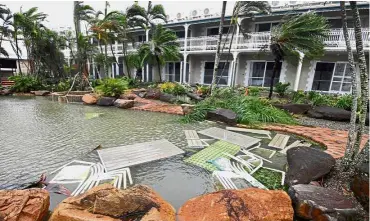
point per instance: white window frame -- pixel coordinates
(166, 73)
(330, 91)
(204, 69)
(264, 72)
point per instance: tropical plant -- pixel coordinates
(249, 110)
(135, 60)
(254, 91)
(161, 48)
(140, 17)
(299, 34)
(112, 87)
(25, 84)
(172, 88)
(203, 89)
(299, 97)
(5, 32)
(281, 88)
(345, 102)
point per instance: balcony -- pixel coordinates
(258, 40)
(255, 42)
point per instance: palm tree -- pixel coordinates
(352, 130)
(300, 34)
(217, 56)
(161, 48)
(140, 17)
(135, 60)
(363, 76)
(5, 16)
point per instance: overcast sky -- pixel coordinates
(60, 13)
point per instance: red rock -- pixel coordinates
(106, 203)
(124, 104)
(242, 205)
(90, 99)
(24, 205)
(128, 97)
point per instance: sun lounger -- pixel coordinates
(193, 139)
(279, 141)
(297, 143)
(261, 132)
(225, 178)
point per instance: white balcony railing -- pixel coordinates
(255, 41)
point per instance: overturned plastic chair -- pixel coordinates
(225, 178)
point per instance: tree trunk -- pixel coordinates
(124, 50)
(217, 57)
(352, 131)
(17, 51)
(159, 69)
(274, 70)
(363, 74)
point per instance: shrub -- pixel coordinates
(172, 88)
(25, 84)
(112, 87)
(281, 88)
(254, 91)
(345, 102)
(299, 97)
(203, 89)
(249, 110)
(63, 85)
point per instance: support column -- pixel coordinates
(299, 70)
(147, 65)
(112, 72)
(117, 65)
(236, 41)
(234, 68)
(183, 76)
(93, 64)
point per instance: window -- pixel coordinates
(214, 31)
(180, 34)
(333, 77)
(337, 23)
(141, 38)
(223, 69)
(172, 71)
(262, 72)
(264, 27)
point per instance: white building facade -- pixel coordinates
(247, 64)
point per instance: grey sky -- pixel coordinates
(61, 12)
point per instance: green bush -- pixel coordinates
(172, 88)
(299, 97)
(249, 109)
(281, 88)
(63, 85)
(254, 91)
(112, 87)
(25, 84)
(344, 101)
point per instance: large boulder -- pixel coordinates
(318, 203)
(128, 96)
(294, 108)
(167, 98)
(124, 104)
(153, 93)
(24, 205)
(242, 205)
(42, 93)
(5, 91)
(329, 113)
(306, 164)
(360, 182)
(106, 203)
(106, 101)
(223, 115)
(90, 99)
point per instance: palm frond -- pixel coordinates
(4, 52)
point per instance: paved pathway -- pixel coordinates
(157, 106)
(334, 140)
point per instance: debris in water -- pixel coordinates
(89, 116)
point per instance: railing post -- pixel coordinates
(147, 65)
(183, 77)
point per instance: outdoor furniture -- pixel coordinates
(124, 156)
(279, 141)
(212, 152)
(241, 140)
(75, 171)
(225, 178)
(262, 132)
(193, 139)
(297, 143)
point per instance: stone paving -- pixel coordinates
(334, 140)
(157, 106)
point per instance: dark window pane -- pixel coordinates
(212, 31)
(269, 70)
(324, 71)
(177, 71)
(223, 68)
(180, 34)
(258, 69)
(187, 73)
(263, 27)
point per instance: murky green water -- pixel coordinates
(38, 135)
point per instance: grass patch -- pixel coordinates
(269, 178)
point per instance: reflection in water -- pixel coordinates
(38, 135)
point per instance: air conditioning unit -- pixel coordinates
(207, 13)
(195, 14)
(180, 16)
(292, 2)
